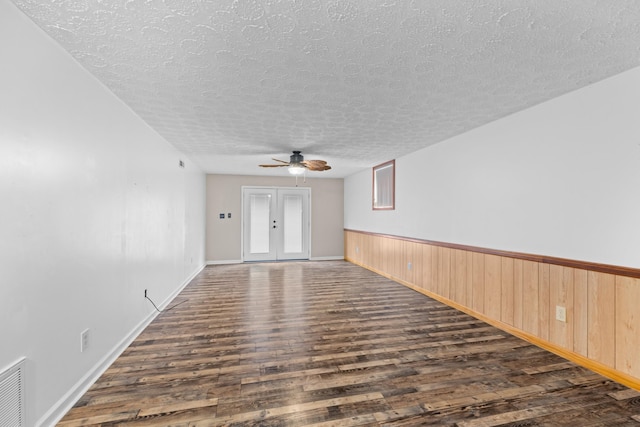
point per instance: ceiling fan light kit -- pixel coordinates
(296, 169)
(297, 165)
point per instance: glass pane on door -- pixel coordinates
(259, 225)
(292, 223)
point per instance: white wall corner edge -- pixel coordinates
(59, 410)
(184, 284)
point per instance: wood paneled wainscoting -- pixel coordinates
(522, 294)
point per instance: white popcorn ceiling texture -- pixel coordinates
(232, 83)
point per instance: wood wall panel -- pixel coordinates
(469, 280)
(395, 256)
(544, 315)
(434, 285)
(419, 273)
(468, 292)
(530, 299)
(389, 256)
(520, 294)
(386, 256)
(348, 245)
(456, 284)
(581, 313)
(444, 271)
(477, 289)
(415, 253)
(628, 325)
(459, 276)
(507, 294)
(363, 250)
(427, 267)
(367, 250)
(493, 286)
(376, 250)
(407, 256)
(462, 277)
(397, 249)
(401, 259)
(561, 294)
(601, 317)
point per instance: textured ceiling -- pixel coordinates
(232, 83)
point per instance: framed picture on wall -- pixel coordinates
(384, 191)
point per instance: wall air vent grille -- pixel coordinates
(12, 396)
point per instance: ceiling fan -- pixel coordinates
(298, 165)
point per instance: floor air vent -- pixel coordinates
(12, 396)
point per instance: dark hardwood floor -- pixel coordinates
(328, 343)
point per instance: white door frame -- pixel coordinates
(276, 227)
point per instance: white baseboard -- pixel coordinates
(327, 258)
(55, 414)
(315, 258)
(227, 261)
(57, 411)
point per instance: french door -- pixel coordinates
(275, 223)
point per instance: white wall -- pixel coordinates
(560, 179)
(94, 209)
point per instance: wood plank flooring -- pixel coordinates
(328, 343)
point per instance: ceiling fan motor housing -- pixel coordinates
(296, 157)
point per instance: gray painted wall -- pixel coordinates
(224, 195)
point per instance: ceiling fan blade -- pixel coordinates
(316, 165)
(272, 166)
(278, 160)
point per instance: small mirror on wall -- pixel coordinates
(384, 186)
